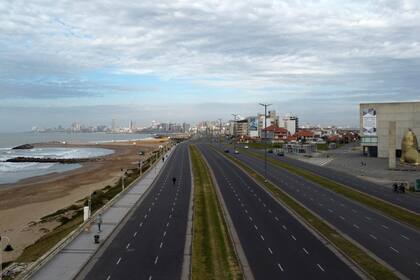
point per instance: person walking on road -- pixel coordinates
(99, 221)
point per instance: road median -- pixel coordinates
(213, 254)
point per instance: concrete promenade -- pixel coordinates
(68, 262)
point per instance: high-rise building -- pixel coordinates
(114, 125)
(290, 122)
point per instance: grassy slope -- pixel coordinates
(213, 256)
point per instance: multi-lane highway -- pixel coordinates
(407, 201)
(397, 244)
(276, 245)
(151, 244)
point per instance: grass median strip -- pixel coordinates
(213, 256)
(386, 208)
(371, 266)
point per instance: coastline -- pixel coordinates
(24, 203)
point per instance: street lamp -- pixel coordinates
(220, 133)
(122, 178)
(265, 140)
(234, 132)
(8, 248)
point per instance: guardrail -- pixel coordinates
(44, 259)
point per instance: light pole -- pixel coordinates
(122, 178)
(234, 132)
(8, 248)
(220, 133)
(265, 140)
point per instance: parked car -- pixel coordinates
(246, 147)
(270, 151)
(227, 151)
(280, 154)
(236, 152)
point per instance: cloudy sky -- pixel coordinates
(91, 61)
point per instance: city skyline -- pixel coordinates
(187, 61)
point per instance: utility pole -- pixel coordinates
(234, 132)
(220, 133)
(265, 139)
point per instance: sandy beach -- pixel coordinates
(25, 202)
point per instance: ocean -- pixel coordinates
(13, 172)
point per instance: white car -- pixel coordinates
(246, 147)
(236, 152)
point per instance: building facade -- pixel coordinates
(374, 125)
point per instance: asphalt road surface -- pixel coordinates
(395, 243)
(407, 201)
(276, 245)
(151, 244)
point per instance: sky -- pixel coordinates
(187, 61)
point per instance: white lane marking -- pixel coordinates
(128, 245)
(284, 227)
(145, 216)
(305, 251)
(356, 226)
(150, 209)
(255, 226)
(384, 226)
(320, 204)
(368, 218)
(405, 237)
(276, 218)
(342, 205)
(170, 216)
(156, 259)
(393, 249)
(320, 267)
(167, 224)
(164, 233)
(140, 224)
(150, 277)
(269, 211)
(418, 263)
(373, 236)
(161, 244)
(134, 235)
(281, 268)
(109, 277)
(118, 261)
(250, 218)
(354, 211)
(262, 237)
(294, 238)
(269, 249)
(341, 217)
(329, 210)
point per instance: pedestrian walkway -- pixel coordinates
(316, 161)
(68, 262)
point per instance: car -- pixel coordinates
(270, 151)
(280, 154)
(246, 147)
(227, 151)
(236, 152)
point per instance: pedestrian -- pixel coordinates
(99, 221)
(163, 159)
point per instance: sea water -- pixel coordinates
(11, 172)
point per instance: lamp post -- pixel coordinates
(265, 139)
(8, 248)
(122, 178)
(220, 133)
(234, 132)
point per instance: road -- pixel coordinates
(407, 201)
(151, 244)
(395, 243)
(276, 245)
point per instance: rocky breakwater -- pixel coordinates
(52, 160)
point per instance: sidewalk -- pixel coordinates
(70, 260)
